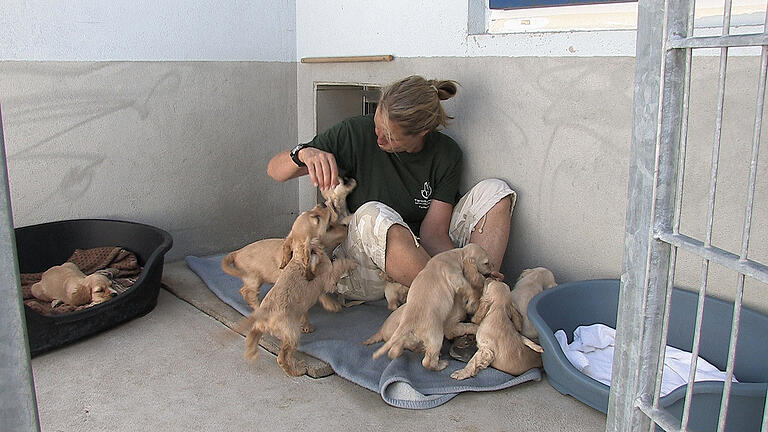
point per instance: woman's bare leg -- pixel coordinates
(492, 231)
(404, 258)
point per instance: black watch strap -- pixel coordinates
(295, 155)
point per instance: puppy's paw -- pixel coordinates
(497, 276)
(460, 374)
(442, 364)
(298, 368)
(252, 356)
(330, 304)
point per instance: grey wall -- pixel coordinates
(558, 130)
(179, 145)
(184, 146)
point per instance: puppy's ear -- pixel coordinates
(307, 261)
(525, 273)
(287, 252)
(471, 274)
(314, 259)
(482, 310)
(515, 317)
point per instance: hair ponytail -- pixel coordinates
(445, 89)
(414, 103)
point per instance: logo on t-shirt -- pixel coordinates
(426, 193)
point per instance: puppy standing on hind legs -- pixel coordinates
(284, 311)
(262, 261)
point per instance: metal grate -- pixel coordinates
(662, 103)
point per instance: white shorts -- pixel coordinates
(366, 240)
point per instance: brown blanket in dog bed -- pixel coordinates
(116, 263)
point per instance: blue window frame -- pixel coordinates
(524, 4)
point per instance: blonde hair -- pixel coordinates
(414, 103)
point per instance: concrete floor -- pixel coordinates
(178, 369)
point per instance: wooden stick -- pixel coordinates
(349, 59)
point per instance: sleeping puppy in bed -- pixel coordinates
(499, 342)
(431, 300)
(284, 311)
(531, 282)
(67, 284)
(262, 261)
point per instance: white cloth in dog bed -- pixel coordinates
(591, 352)
(337, 340)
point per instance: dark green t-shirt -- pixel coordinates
(407, 182)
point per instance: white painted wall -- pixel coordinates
(155, 30)
(432, 28)
(440, 28)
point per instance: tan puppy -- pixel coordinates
(319, 223)
(465, 302)
(67, 284)
(284, 311)
(336, 199)
(531, 282)
(395, 292)
(432, 298)
(499, 343)
(262, 261)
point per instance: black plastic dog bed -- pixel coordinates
(42, 246)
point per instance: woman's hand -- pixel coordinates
(323, 171)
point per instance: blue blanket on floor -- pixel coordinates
(337, 340)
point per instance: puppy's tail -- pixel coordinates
(384, 348)
(532, 345)
(377, 337)
(229, 267)
(394, 346)
(244, 324)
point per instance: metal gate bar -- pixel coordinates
(18, 405)
(685, 115)
(715, 254)
(647, 298)
(730, 41)
(653, 158)
(715, 166)
(735, 326)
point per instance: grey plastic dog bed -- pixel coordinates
(588, 302)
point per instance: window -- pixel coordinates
(530, 16)
(524, 4)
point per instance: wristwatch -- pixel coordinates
(295, 155)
